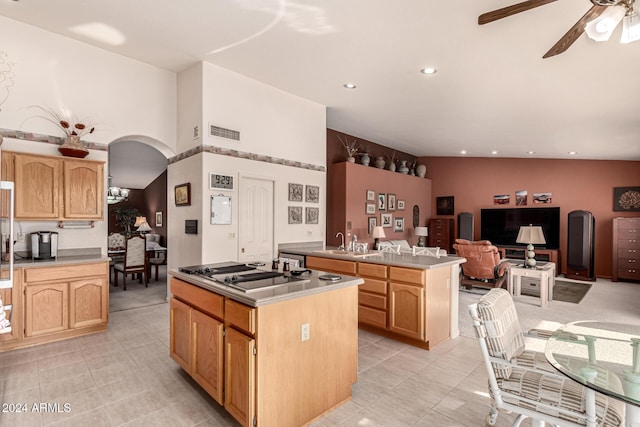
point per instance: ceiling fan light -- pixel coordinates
(601, 28)
(630, 28)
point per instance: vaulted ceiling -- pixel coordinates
(492, 90)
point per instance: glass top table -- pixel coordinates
(602, 356)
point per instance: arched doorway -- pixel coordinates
(139, 165)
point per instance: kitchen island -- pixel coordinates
(412, 298)
(279, 355)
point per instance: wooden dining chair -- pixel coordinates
(135, 261)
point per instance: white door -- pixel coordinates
(255, 233)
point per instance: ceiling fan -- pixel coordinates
(599, 21)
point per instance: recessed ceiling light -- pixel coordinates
(531, 152)
(428, 70)
(573, 153)
(494, 152)
(463, 151)
(349, 85)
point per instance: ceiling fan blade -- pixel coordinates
(574, 32)
(494, 15)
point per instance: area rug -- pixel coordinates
(563, 290)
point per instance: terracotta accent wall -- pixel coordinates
(347, 199)
(575, 185)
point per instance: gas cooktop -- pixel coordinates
(244, 277)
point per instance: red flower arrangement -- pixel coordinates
(68, 127)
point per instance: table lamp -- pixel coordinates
(378, 233)
(144, 227)
(421, 232)
(140, 220)
(531, 235)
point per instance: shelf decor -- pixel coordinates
(72, 146)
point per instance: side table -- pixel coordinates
(545, 272)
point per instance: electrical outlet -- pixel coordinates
(20, 237)
(309, 233)
(304, 332)
(232, 236)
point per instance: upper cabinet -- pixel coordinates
(55, 188)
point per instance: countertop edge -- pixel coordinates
(77, 259)
(261, 298)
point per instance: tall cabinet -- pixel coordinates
(441, 233)
(626, 249)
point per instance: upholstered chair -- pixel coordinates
(522, 381)
(135, 261)
(483, 267)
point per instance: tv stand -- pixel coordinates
(519, 252)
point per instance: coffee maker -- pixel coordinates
(44, 244)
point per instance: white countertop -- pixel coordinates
(310, 285)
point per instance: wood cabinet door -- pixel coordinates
(89, 302)
(46, 308)
(83, 189)
(207, 364)
(406, 310)
(239, 397)
(6, 174)
(180, 348)
(37, 186)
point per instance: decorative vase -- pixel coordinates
(380, 162)
(392, 165)
(351, 159)
(403, 167)
(365, 159)
(421, 170)
(73, 147)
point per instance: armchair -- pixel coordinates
(521, 380)
(483, 267)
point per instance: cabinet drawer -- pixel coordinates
(370, 300)
(629, 273)
(628, 224)
(410, 275)
(203, 300)
(372, 270)
(241, 316)
(373, 285)
(65, 272)
(629, 243)
(372, 316)
(334, 265)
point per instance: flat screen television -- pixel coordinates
(501, 226)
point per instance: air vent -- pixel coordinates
(224, 133)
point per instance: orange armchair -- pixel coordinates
(483, 267)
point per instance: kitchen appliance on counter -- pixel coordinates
(44, 244)
(244, 277)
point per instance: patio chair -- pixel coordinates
(521, 380)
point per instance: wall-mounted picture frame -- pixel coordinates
(158, 219)
(398, 224)
(385, 220)
(521, 198)
(370, 208)
(382, 201)
(295, 214)
(371, 195)
(373, 221)
(444, 205)
(391, 202)
(626, 199)
(400, 205)
(295, 192)
(311, 215)
(541, 197)
(501, 199)
(312, 194)
(182, 194)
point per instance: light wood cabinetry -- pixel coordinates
(406, 302)
(626, 249)
(13, 297)
(55, 188)
(332, 265)
(372, 295)
(88, 302)
(46, 308)
(261, 365)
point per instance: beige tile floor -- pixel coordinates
(124, 376)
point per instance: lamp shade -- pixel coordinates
(140, 220)
(531, 234)
(601, 28)
(630, 27)
(378, 232)
(144, 227)
(422, 231)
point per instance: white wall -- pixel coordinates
(119, 95)
(190, 107)
(67, 238)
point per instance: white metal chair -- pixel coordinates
(382, 247)
(135, 261)
(428, 251)
(522, 381)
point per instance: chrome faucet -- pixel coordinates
(341, 247)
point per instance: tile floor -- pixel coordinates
(124, 376)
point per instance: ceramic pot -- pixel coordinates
(73, 147)
(365, 159)
(421, 170)
(403, 167)
(351, 159)
(380, 162)
(392, 166)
